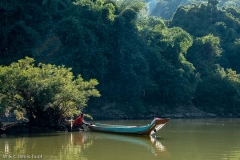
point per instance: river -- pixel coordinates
(180, 139)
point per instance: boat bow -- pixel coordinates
(159, 123)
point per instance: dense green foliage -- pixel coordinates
(166, 8)
(216, 35)
(45, 93)
(138, 60)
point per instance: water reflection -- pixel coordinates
(77, 139)
(158, 144)
(51, 146)
(150, 143)
(6, 147)
(74, 148)
(180, 139)
(77, 145)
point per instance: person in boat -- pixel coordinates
(79, 122)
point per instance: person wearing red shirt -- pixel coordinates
(79, 122)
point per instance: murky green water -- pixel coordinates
(210, 139)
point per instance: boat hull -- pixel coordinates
(150, 129)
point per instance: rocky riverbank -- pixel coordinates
(110, 114)
(179, 112)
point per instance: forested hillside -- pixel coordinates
(215, 53)
(166, 8)
(140, 61)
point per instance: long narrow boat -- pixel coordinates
(150, 129)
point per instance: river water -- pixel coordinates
(180, 139)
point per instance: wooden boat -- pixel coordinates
(150, 129)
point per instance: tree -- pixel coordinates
(46, 93)
(173, 80)
(219, 92)
(213, 3)
(204, 53)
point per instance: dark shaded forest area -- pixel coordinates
(143, 63)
